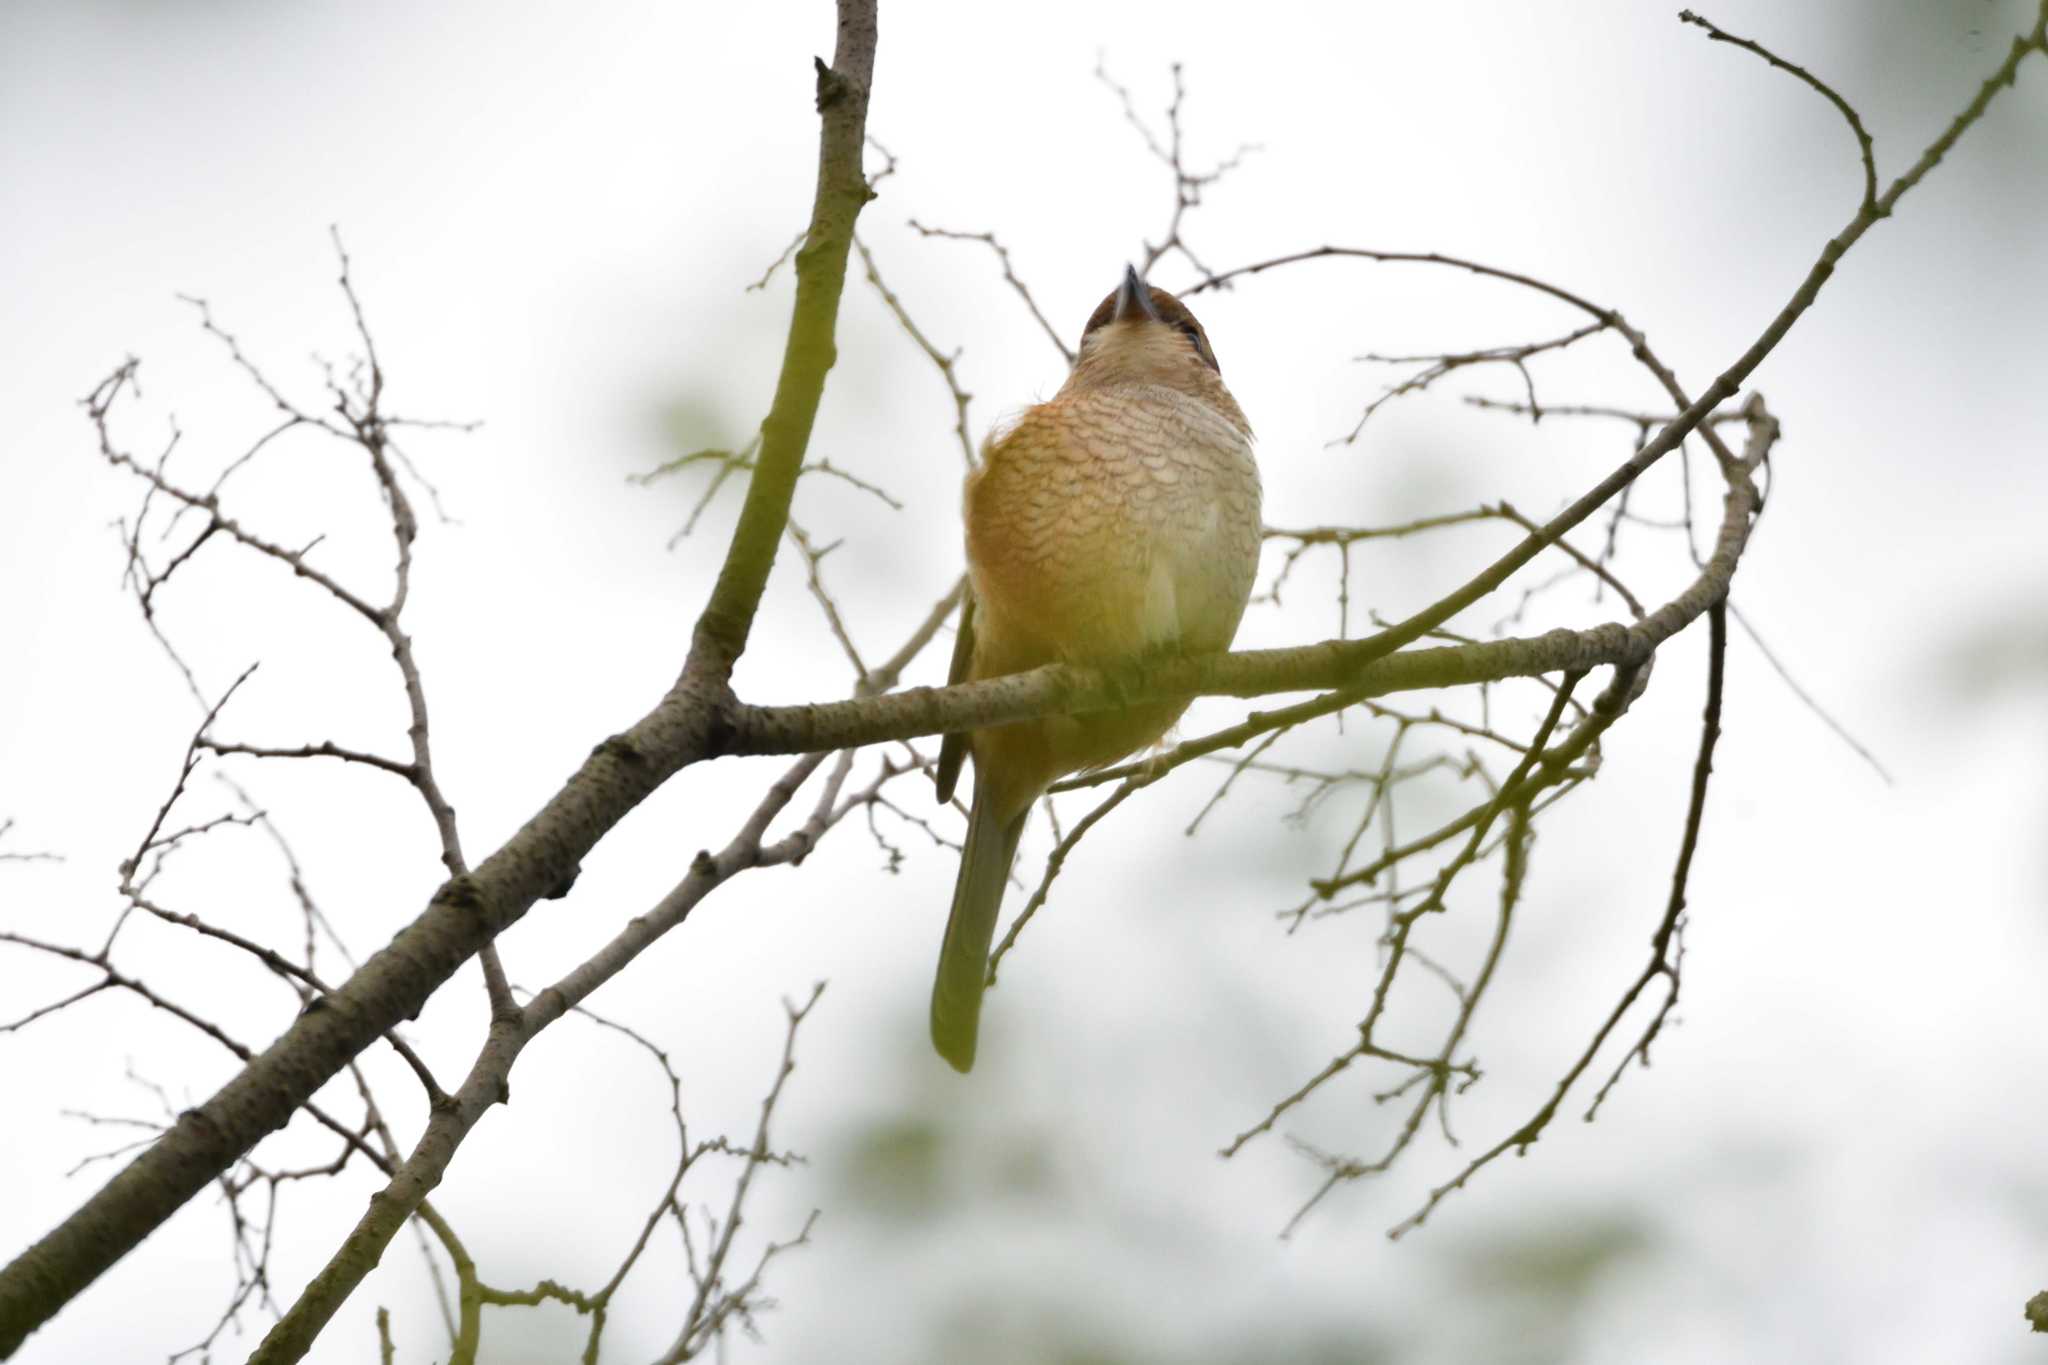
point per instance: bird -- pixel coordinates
(1115, 522)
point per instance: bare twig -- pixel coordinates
(1022, 291)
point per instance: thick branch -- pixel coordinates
(722, 629)
(487, 1085)
(467, 912)
(1061, 688)
(698, 718)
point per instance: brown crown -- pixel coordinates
(1172, 312)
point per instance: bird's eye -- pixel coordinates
(1194, 334)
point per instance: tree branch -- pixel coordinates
(470, 910)
(808, 355)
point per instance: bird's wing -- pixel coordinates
(953, 749)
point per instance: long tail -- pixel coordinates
(963, 957)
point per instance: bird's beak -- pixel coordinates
(1133, 299)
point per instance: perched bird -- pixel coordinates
(1116, 521)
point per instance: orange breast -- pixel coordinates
(1106, 524)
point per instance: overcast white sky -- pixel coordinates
(552, 212)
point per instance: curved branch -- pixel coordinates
(698, 717)
(469, 911)
(1864, 146)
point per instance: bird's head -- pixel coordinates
(1140, 334)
